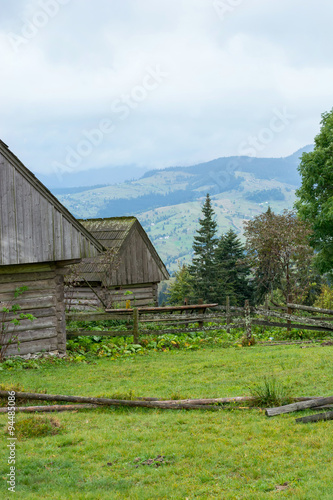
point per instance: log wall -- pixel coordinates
(44, 299)
(84, 299)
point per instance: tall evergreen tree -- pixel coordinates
(232, 269)
(203, 268)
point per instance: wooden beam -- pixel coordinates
(315, 418)
(302, 405)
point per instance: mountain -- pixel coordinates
(168, 202)
(73, 181)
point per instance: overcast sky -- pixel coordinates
(91, 83)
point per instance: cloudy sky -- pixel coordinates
(93, 83)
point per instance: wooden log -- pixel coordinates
(260, 322)
(103, 333)
(49, 408)
(291, 317)
(237, 399)
(310, 309)
(24, 278)
(140, 402)
(98, 316)
(315, 418)
(48, 344)
(164, 309)
(185, 319)
(302, 405)
(173, 405)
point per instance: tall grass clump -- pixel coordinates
(270, 392)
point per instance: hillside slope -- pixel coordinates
(168, 202)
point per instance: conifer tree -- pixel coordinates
(232, 269)
(203, 268)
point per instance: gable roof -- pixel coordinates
(34, 225)
(122, 235)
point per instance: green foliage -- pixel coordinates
(315, 196)
(182, 287)
(233, 271)
(203, 267)
(270, 392)
(325, 299)
(37, 426)
(279, 254)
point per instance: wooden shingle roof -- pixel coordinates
(34, 226)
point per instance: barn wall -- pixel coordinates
(84, 299)
(34, 226)
(136, 263)
(44, 299)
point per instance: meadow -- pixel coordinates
(230, 454)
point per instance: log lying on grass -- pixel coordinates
(50, 408)
(315, 418)
(110, 402)
(301, 405)
(202, 404)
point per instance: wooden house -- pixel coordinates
(38, 238)
(130, 269)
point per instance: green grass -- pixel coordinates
(235, 454)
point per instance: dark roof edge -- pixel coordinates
(12, 158)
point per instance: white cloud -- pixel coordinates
(225, 78)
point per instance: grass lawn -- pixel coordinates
(228, 454)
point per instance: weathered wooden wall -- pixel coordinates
(84, 299)
(34, 226)
(44, 299)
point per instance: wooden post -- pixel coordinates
(200, 323)
(228, 313)
(135, 325)
(247, 314)
(186, 301)
(289, 311)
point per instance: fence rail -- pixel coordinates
(194, 318)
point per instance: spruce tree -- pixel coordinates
(203, 268)
(233, 270)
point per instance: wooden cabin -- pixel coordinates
(38, 238)
(130, 269)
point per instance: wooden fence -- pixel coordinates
(204, 317)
